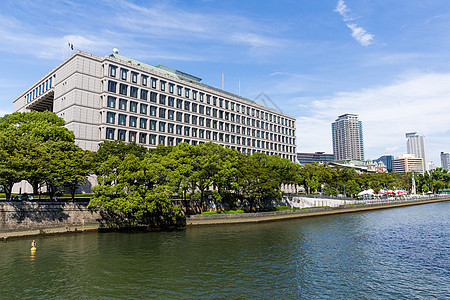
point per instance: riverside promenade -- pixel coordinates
(198, 220)
(77, 219)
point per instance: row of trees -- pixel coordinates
(36, 147)
(137, 185)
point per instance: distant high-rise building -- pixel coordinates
(387, 160)
(309, 158)
(445, 160)
(415, 144)
(348, 138)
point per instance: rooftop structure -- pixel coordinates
(309, 158)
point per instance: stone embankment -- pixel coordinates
(34, 218)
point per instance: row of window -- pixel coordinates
(121, 119)
(122, 89)
(122, 104)
(39, 90)
(141, 137)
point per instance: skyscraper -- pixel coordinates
(348, 138)
(445, 160)
(415, 144)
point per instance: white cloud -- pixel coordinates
(358, 33)
(361, 35)
(418, 103)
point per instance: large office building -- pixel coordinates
(118, 98)
(407, 163)
(309, 158)
(415, 145)
(387, 160)
(445, 160)
(348, 138)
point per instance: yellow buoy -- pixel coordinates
(33, 246)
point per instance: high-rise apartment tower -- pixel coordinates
(348, 138)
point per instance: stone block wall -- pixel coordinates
(15, 216)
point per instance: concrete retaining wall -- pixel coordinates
(18, 216)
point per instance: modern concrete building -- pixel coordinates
(387, 160)
(309, 158)
(407, 163)
(118, 98)
(445, 160)
(415, 144)
(348, 138)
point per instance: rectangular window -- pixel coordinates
(109, 133)
(201, 97)
(214, 101)
(162, 99)
(186, 93)
(144, 94)
(194, 95)
(111, 102)
(226, 104)
(194, 107)
(169, 141)
(142, 138)
(187, 104)
(162, 113)
(132, 136)
(179, 103)
(201, 133)
(121, 135)
(179, 128)
(170, 127)
(201, 109)
(163, 85)
(153, 96)
(208, 99)
(112, 71)
(133, 92)
(152, 125)
(201, 121)
(220, 102)
(179, 90)
(179, 116)
(162, 126)
(110, 117)
(162, 140)
(152, 111)
(143, 109)
(122, 104)
(170, 114)
(144, 79)
(143, 123)
(154, 82)
(186, 131)
(123, 89)
(123, 73)
(152, 139)
(112, 86)
(194, 132)
(171, 101)
(133, 121)
(194, 120)
(122, 120)
(134, 77)
(133, 106)
(171, 86)
(186, 118)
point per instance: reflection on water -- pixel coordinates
(388, 254)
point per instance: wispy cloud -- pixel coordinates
(358, 32)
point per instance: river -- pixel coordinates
(401, 253)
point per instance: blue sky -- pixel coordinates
(387, 61)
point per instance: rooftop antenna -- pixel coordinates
(116, 51)
(239, 87)
(222, 82)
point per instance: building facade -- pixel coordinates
(445, 160)
(415, 145)
(407, 163)
(348, 138)
(118, 98)
(309, 158)
(387, 160)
